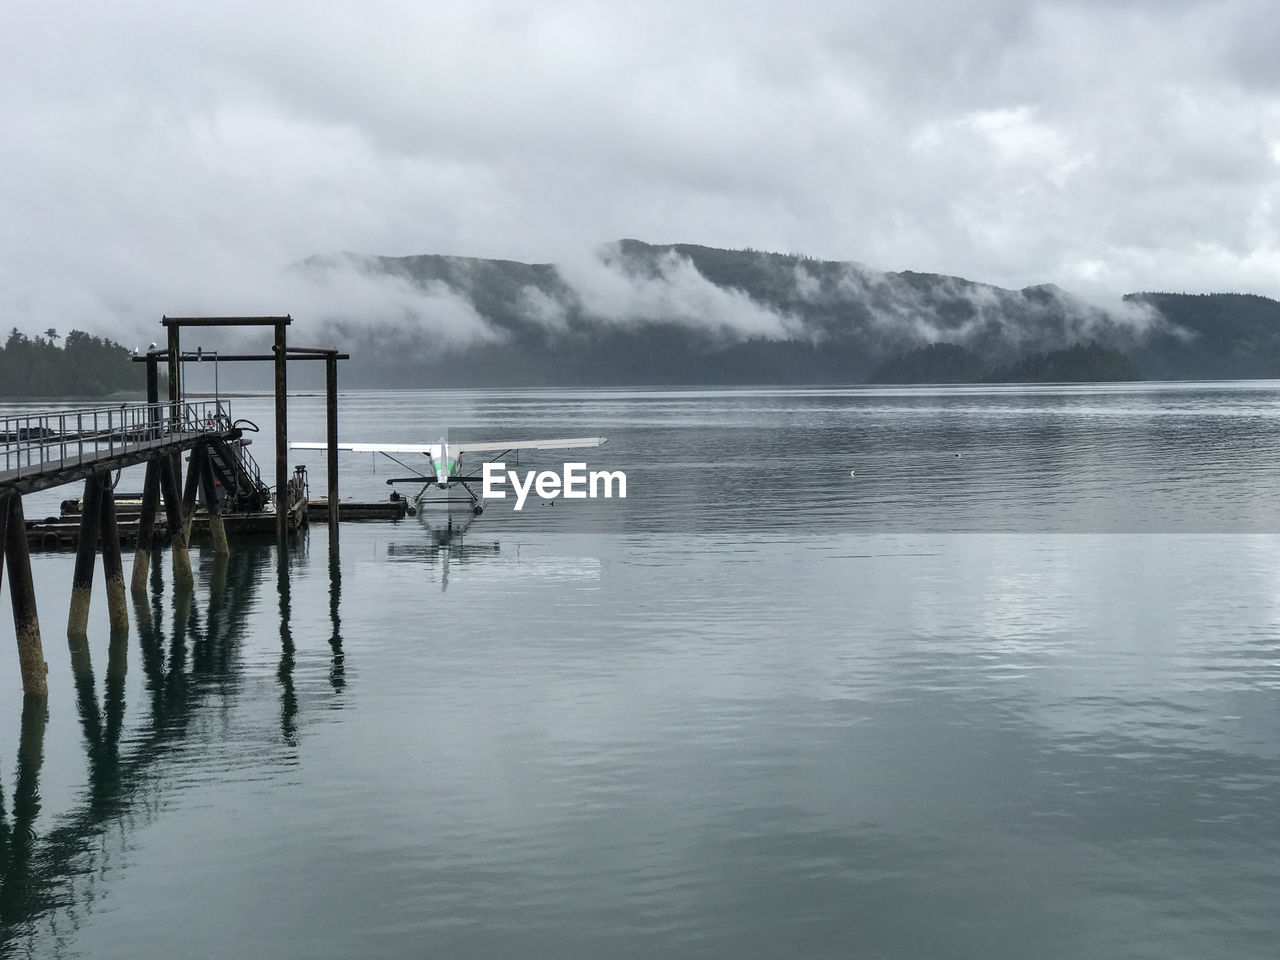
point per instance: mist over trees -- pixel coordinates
(1082, 363)
(935, 363)
(947, 363)
(640, 313)
(636, 314)
(1212, 336)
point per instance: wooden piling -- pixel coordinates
(331, 423)
(282, 437)
(146, 526)
(113, 564)
(189, 491)
(175, 389)
(209, 494)
(22, 592)
(175, 371)
(150, 486)
(153, 387)
(4, 527)
(182, 575)
(86, 552)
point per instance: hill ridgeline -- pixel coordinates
(635, 313)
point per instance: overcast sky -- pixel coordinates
(175, 157)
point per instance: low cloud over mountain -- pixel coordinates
(632, 312)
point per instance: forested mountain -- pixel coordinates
(638, 313)
(947, 363)
(1081, 363)
(633, 313)
(935, 363)
(1213, 336)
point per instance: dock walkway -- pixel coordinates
(39, 451)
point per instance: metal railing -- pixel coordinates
(33, 443)
(243, 474)
(249, 467)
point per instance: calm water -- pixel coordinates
(1010, 690)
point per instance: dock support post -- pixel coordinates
(175, 388)
(331, 422)
(22, 591)
(175, 372)
(150, 486)
(182, 576)
(209, 494)
(189, 492)
(282, 438)
(4, 528)
(86, 552)
(153, 392)
(113, 564)
(146, 526)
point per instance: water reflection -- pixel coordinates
(445, 542)
(23, 887)
(284, 673)
(337, 666)
(188, 670)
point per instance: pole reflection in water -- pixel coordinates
(337, 668)
(113, 709)
(49, 873)
(21, 892)
(288, 697)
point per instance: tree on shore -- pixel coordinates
(84, 366)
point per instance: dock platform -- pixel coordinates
(63, 532)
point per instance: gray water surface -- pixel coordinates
(1016, 703)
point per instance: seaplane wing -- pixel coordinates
(503, 446)
(429, 449)
(434, 449)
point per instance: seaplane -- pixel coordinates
(443, 469)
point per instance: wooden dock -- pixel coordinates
(42, 450)
(63, 532)
(352, 511)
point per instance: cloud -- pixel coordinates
(357, 296)
(350, 296)
(902, 310)
(542, 308)
(162, 156)
(616, 290)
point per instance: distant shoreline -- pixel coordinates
(117, 398)
(91, 400)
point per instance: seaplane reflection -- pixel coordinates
(446, 542)
(52, 865)
(451, 543)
